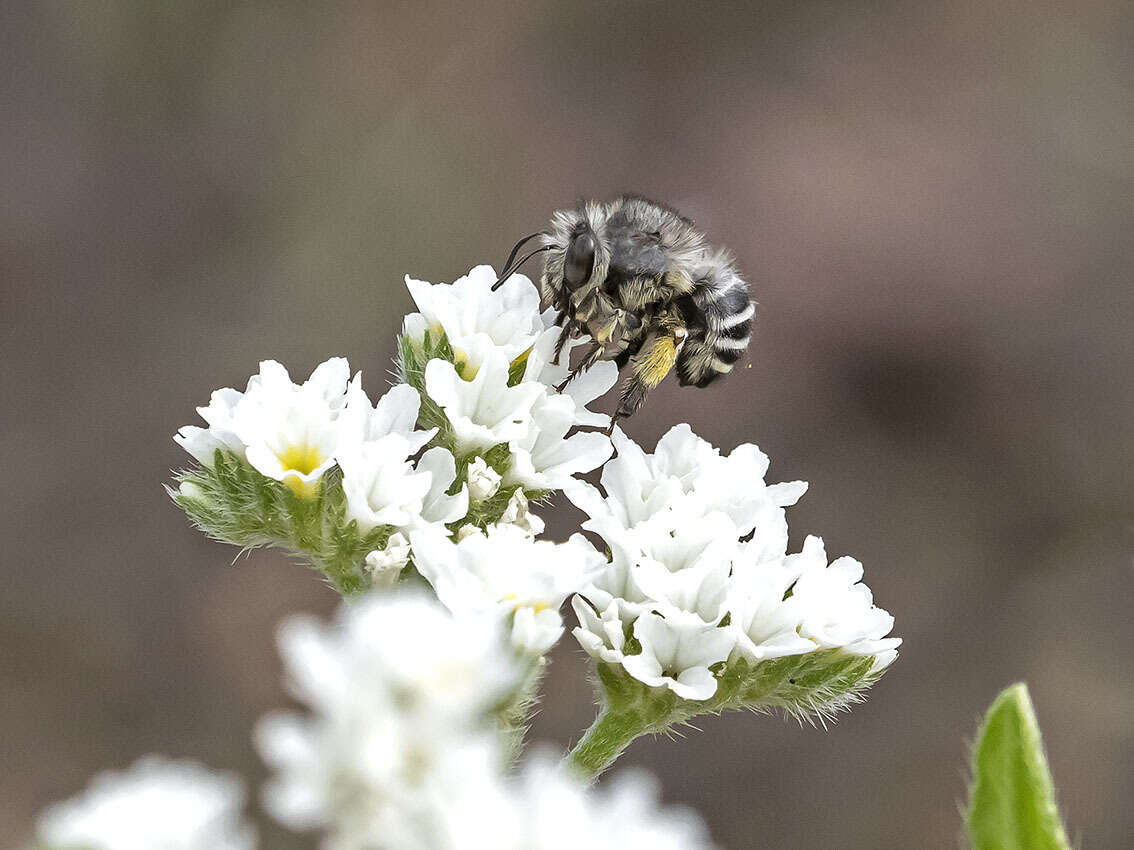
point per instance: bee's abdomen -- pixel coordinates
(718, 316)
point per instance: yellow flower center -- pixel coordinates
(297, 461)
(535, 606)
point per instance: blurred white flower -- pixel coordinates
(156, 804)
(699, 574)
(483, 480)
(545, 808)
(401, 695)
(506, 570)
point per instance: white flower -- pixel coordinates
(509, 317)
(835, 609)
(401, 695)
(544, 808)
(699, 573)
(677, 652)
(157, 804)
(546, 458)
(381, 485)
(518, 513)
(482, 409)
(688, 476)
(438, 507)
(483, 480)
(286, 431)
(203, 443)
(395, 413)
(385, 565)
(506, 570)
(294, 433)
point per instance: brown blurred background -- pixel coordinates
(934, 204)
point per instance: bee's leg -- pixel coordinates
(652, 363)
(593, 356)
(564, 335)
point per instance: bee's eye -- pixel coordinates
(580, 260)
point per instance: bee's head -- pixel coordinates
(577, 251)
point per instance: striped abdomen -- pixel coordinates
(718, 317)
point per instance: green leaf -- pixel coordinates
(1012, 799)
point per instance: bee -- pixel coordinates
(645, 285)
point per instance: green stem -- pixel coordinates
(514, 717)
(610, 734)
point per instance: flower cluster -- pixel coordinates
(417, 701)
(157, 804)
(402, 696)
(401, 749)
(475, 433)
(700, 595)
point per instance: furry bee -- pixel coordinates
(645, 285)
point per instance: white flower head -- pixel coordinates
(507, 571)
(699, 575)
(688, 476)
(156, 804)
(401, 694)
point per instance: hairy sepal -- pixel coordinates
(233, 503)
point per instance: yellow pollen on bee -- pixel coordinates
(298, 461)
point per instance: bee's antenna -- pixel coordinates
(516, 248)
(510, 269)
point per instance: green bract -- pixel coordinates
(814, 685)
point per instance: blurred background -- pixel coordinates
(934, 204)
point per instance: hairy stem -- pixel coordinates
(515, 716)
(610, 734)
